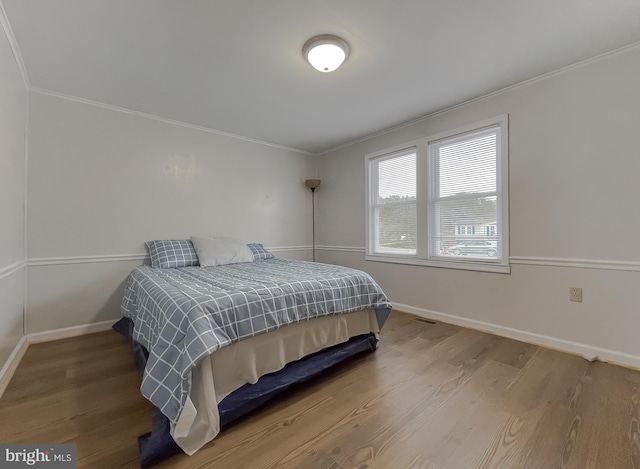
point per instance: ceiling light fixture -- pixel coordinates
(326, 52)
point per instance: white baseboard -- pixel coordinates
(586, 351)
(68, 332)
(10, 367)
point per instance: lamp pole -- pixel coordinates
(313, 185)
(313, 221)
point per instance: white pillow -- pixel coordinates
(219, 251)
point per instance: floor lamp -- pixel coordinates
(313, 185)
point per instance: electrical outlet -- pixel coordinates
(575, 294)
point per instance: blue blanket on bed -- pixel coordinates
(182, 315)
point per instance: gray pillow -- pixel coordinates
(215, 250)
(259, 252)
(172, 253)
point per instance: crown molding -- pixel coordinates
(506, 89)
(164, 120)
(13, 43)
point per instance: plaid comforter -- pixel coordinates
(182, 315)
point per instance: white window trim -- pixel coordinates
(421, 146)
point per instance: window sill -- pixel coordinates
(476, 265)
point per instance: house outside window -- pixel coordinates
(442, 200)
(465, 229)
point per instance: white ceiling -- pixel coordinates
(236, 65)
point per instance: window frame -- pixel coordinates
(425, 184)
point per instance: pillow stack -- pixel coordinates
(203, 251)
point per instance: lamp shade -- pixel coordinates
(312, 183)
(326, 52)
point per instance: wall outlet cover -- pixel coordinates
(575, 294)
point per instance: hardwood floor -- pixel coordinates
(432, 396)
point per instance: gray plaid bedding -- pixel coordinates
(182, 315)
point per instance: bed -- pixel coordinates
(218, 341)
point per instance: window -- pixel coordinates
(442, 200)
(394, 203)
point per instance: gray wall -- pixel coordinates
(574, 216)
(13, 109)
(102, 182)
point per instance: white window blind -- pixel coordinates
(393, 204)
(465, 196)
(442, 200)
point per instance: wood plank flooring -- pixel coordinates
(431, 397)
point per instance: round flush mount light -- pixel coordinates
(326, 52)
